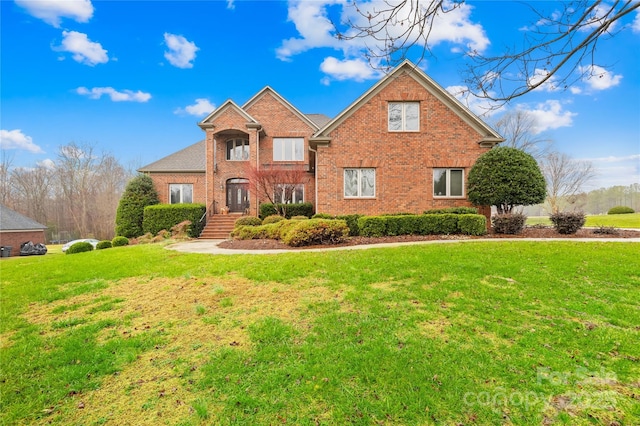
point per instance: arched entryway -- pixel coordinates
(237, 195)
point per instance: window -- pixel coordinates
(404, 116)
(288, 149)
(237, 150)
(180, 193)
(360, 183)
(289, 193)
(448, 183)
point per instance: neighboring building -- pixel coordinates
(406, 145)
(16, 229)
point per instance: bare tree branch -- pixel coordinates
(565, 179)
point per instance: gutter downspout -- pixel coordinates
(257, 162)
(315, 176)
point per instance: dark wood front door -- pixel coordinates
(237, 195)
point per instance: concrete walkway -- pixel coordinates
(211, 246)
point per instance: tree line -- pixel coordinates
(75, 196)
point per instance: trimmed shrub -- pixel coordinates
(297, 209)
(453, 210)
(446, 223)
(299, 218)
(620, 210)
(606, 230)
(323, 216)
(103, 245)
(568, 222)
(166, 216)
(138, 194)
(472, 224)
(508, 223)
(274, 218)
(119, 241)
(373, 226)
(80, 247)
(316, 231)
(248, 221)
(352, 223)
(249, 232)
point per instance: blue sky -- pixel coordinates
(133, 78)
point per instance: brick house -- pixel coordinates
(405, 145)
(16, 229)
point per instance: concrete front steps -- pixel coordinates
(219, 226)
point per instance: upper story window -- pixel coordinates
(288, 149)
(404, 116)
(448, 183)
(359, 183)
(180, 193)
(237, 150)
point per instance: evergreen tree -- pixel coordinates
(138, 194)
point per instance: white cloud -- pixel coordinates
(548, 86)
(347, 69)
(47, 163)
(115, 95)
(615, 170)
(51, 11)
(635, 26)
(200, 108)
(15, 139)
(181, 51)
(549, 115)
(598, 78)
(84, 50)
(231, 4)
(315, 30)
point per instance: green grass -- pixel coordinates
(614, 220)
(472, 333)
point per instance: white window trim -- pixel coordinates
(403, 116)
(448, 173)
(245, 142)
(281, 187)
(181, 185)
(292, 141)
(359, 186)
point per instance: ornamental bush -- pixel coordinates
(568, 222)
(453, 210)
(472, 224)
(296, 209)
(316, 231)
(373, 226)
(138, 194)
(80, 247)
(103, 245)
(620, 210)
(119, 241)
(508, 223)
(274, 218)
(248, 221)
(506, 177)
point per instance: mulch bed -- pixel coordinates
(529, 232)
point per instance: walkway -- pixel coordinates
(211, 246)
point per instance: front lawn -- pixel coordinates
(466, 333)
(610, 220)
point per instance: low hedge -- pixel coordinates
(166, 216)
(425, 224)
(297, 209)
(248, 221)
(620, 210)
(453, 210)
(508, 223)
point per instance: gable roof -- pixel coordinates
(267, 89)
(488, 135)
(189, 159)
(13, 221)
(228, 104)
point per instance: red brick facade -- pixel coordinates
(448, 136)
(14, 239)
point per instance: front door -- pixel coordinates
(237, 195)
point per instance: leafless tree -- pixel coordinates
(5, 178)
(33, 186)
(565, 179)
(559, 48)
(266, 182)
(518, 127)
